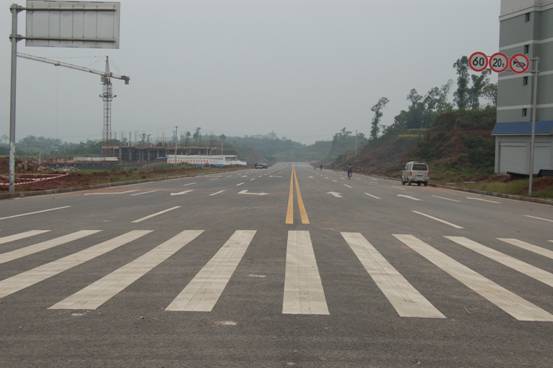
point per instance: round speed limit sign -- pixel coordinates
(499, 62)
(478, 61)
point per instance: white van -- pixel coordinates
(415, 172)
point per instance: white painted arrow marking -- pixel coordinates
(335, 194)
(245, 192)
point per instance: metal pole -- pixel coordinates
(14, 9)
(535, 71)
(176, 141)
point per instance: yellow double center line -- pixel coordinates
(290, 211)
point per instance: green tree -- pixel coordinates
(377, 110)
(476, 90)
(490, 93)
(461, 95)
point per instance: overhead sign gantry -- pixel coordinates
(77, 24)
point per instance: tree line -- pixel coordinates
(471, 90)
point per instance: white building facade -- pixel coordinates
(526, 26)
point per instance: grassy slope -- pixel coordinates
(459, 148)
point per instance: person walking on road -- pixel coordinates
(350, 171)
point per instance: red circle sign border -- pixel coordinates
(507, 64)
(479, 53)
(527, 63)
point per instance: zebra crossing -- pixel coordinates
(303, 291)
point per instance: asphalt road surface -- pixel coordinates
(283, 267)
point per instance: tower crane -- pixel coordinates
(106, 76)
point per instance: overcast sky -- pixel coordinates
(301, 68)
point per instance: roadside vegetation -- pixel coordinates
(453, 135)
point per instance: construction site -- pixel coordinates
(116, 159)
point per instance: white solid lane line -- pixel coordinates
(406, 300)
(303, 289)
(42, 246)
(506, 260)
(533, 217)
(189, 184)
(240, 184)
(182, 193)
(438, 219)
(34, 212)
(144, 193)
(33, 276)
(23, 235)
(408, 197)
(217, 193)
(203, 291)
(372, 196)
(446, 199)
(99, 292)
(529, 247)
(509, 302)
(483, 200)
(111, 193)
(154, 215)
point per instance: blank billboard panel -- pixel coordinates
(80, 24)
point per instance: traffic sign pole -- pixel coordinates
(14, 38)
(535, 71)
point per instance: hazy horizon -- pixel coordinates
(303, 69)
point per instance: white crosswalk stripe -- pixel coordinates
(506, 260)
(31, 277)
(406, 300)
(23, 235)
(107, 287)
(303, 293)
(509, 302)
(303, 289)
(203, 292)
(529, 247)
(42, 246)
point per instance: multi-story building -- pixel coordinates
(526, 26)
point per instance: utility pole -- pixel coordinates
(14, 38)
(535, 71)
(176, 140)
(356, 142)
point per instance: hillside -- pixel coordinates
(458, 146)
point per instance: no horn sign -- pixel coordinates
(499, 62)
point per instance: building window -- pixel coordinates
(527, 17)
(526, 49)
(524, 112)
(525, 81)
